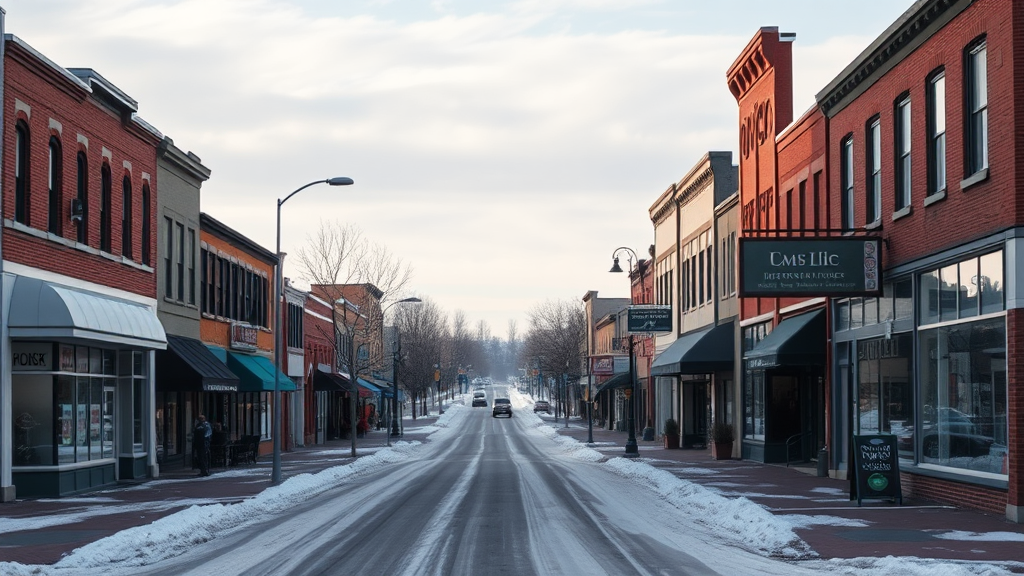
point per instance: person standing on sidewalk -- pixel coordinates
(201, 438)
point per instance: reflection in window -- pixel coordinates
(885, 389)
(991, 282)
(968, 288)
(948, 284)
(753, 427)
(963, 396)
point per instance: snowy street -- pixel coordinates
(483, 495)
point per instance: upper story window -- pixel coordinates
(903, 141)
(294, 326)
(846, 182)
(169, 258)
(21, 164)
(105, 207)
(962, 289)
(937, 133)
(727, 265)
(874, 164)
(225, 283)
(976, 90)
(82, 193)
(126, 217)
(55, 185)
(146, 248)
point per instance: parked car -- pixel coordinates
(479, 402)
(542, 406)
(502, 406)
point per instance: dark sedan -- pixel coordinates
(502, 406)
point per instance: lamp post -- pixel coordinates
(275, 477)
(632, 450)
(394, 370)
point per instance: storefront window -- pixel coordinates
(903, 299)
(885, 392)
(32, 411)
(929, 297)
(753, 427)
(963, 396)
(991, 281)
(66, 419)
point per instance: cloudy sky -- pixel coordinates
(503, 149)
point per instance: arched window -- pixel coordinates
(21, 164)
(55, 184)
(105, 185)
(82, 191)
(145, 224)
(126, 217)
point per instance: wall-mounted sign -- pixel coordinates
(810, 267)
(602, 365)
(31, 356)
(876, 468)
(244, 336)
(649, 319)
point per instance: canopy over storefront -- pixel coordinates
(702, 352)
(797, 341)
(187, 365)
(617, 381)
(256, 373)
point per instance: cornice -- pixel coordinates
(919, 23)
(694, 185)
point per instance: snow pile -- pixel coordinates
(905, 566)
(533, 423)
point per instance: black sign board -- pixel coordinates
(773, 267)
(649, 319)
(876, 468)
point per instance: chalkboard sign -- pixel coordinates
(876, 468)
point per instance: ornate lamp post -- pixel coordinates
(275, 477)
(632, 450)
(397, 359)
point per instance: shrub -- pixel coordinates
(671, 427)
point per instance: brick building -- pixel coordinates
(79, 286)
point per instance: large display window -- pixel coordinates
(885, 389)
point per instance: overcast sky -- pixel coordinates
(503, 149)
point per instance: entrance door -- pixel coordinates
(696, 407)
(108, 422)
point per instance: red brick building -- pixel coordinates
(79, 205)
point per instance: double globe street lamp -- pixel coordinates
(275, 477)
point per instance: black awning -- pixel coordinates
(617, 381)
(329, 382)
(797, 341)
(701, 352)
(187, 365)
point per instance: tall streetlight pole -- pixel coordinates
(396, 359)
(632, 450)
(275, 477)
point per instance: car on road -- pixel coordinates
(542, 406)
(480, 402)
(502, 406)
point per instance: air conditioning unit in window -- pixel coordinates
(77, 210)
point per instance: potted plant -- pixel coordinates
(671, 433)
(721, 440)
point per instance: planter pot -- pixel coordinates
(721, 450)
(671, 441)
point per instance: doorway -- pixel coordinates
(696, 411)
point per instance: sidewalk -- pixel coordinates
(840, 528)
(55, 527)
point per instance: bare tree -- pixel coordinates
(424, 335)
(556, 341)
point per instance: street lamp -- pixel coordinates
(632, 450)
(396, 359)
(275, 477)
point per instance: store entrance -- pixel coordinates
(696, 408)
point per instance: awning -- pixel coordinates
(797, 341)
(187, 365)
(324, 381)
(256, 373)
(703, 352)
(617, 381)
(44, 310)
(366, 388)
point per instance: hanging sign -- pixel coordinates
(774, 267)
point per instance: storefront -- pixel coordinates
(190, 380)
(81, 388)
(784, 396)
(937, 380)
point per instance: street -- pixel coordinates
(492, 498)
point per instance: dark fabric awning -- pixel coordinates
(797, 341)
(701, 352)
(187, 365)
(617, 381)
(324, 381)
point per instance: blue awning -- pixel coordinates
(255, 373)
(368, 389)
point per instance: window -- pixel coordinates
(180, 257)
(203, 266)
(169, 258)
(83, 197)
(728, 265)
(937, 133)
(903, 153)
(145, 224)
(223, 281)
(964, 289)
(976, 86)
(105, 192)
(294, 326)
(191, 258)
(21, 156)
(802, 191)
(55, 184)
(126, 217)
(885, 389)
(709, 270)
(874, 180)
(846, 183)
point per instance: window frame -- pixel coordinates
(22, 170)
(976, 111)
(873, 166)
(846, 183)
(55, 185)
(82, 191)
(936, 99)
(106, 184)
(902, 151)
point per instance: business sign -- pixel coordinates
(876, 468)
(649, 319)
(31, 357)
(602, 365)
(810, 267)
(244, 336)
